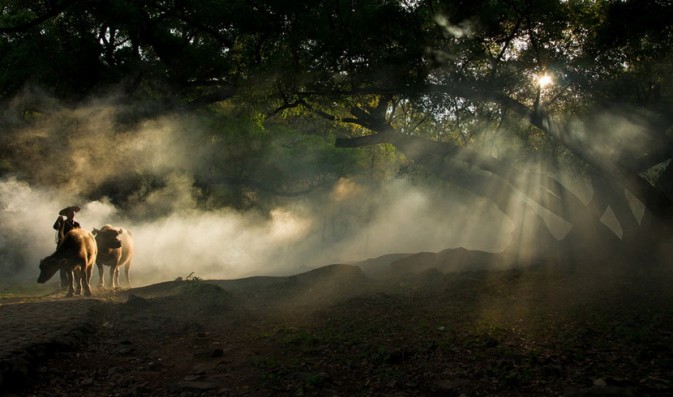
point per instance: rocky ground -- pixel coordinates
(347, 330)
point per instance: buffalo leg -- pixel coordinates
(101, 276)
(64, 278)
(71, 283)
(113, 270)
(78, 281)
(127, 268)
(86, 275)
(117, 284)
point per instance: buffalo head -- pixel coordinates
(107, 238)
(48, 267)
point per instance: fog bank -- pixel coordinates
(225, 244)
(148, 177)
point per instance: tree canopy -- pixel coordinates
(473, 91)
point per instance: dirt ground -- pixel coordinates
(346, 330)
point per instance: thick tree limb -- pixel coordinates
(657, 202)
(219, 95)
(544, 190)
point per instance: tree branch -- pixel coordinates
(52, 12)
(222, 94)
(654, 199)
(544, 190)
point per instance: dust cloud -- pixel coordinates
(65, 156)
(226, 244)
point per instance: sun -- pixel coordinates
(545, 80)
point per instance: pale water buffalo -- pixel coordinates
(75, 255)
(115, 249)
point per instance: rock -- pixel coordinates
(449, 387)
(137, 302)
(154, 366)
(395, 356)
(600, 382)
(87, 382)
(196, 386)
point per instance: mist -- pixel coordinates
(178, 234)
(68, 156)
(225, 244)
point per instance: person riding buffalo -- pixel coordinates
(66, 222)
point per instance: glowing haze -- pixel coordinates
(64, 154)
(227, 244)
(174, 237)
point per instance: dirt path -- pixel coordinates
(335, 332)
(32, 328)
(179, 338)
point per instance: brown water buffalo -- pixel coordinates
(115, 249)
(75, 255)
